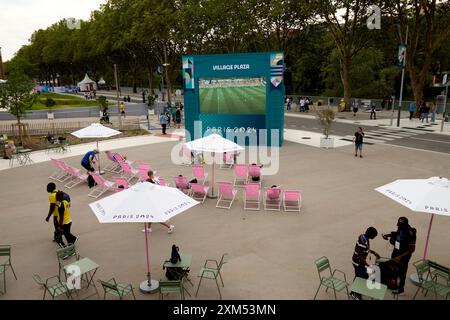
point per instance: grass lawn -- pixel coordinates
(233, 100)
(64, 101)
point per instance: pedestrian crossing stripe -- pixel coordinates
(383, 135)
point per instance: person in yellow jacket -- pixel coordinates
(53, 210)
(64, 218)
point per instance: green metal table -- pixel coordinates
(185, 263)
(83, 267)
(369, 288)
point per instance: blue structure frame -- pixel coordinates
(267, 64)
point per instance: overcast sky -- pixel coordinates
(20, 18)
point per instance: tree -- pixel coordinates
(427, 22)
(347, 22)
(17, 98)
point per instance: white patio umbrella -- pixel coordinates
(144, 202)
(421, 195)
(96, 131)
(213, 143)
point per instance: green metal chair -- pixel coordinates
(330, 282)
(171, 286)
(56, 289)
(116, 289)
(438, 270)
(5, 251)
(428, 282)
(66, 256)
(212, 272)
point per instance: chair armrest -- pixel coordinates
(211, 260)
(341, 272)
(54, 277)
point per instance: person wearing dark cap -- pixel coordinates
(359, 259)
(404, 242)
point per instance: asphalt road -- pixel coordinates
(405, 136)
(135, 109)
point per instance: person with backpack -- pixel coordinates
(64, 218)
(53, 210)
(175, 273)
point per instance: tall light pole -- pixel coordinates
(165, 65)
(403, 66)
(445, 101)
(117, 95)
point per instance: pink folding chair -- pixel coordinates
(199, 173)
(113, 166)
(273, 199)
(76, 177)
(240, 175)
(292, 200)
(227, 160)
(143, 171)
(182, 183)
(252, 196)
(199, 192)
(254, 171)
(227, 194)
(163, 182)
(127, 171)
(60, 172)
(101, 187)
(121, 184)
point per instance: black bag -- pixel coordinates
(390, 271)
(174, 273)
(90, 181)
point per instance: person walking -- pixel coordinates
(53, 210)
(171, 227)
(358, 141)
(404, 242)
(433, 111)
(360, 254)
(178, 118)
(122, 109)
(163, 122)
(426, 111)
(64, 218)
(373, 112)
(411, 110)
(355, 107)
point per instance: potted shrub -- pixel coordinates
(326, 118)
(50, 103)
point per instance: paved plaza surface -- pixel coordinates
(271, 253)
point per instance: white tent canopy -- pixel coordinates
(87, 84)
(101, 81)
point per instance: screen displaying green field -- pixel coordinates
(233, 95)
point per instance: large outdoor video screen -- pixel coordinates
(233, 95)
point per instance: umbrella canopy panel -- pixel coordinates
(421, 195)
(213, 143)
(142, 203)
(95, 130)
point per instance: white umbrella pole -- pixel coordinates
(428, 237)
(149, 285)
(99, 171)
(212, 195)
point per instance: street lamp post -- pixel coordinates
(403, 66)
(445, 104)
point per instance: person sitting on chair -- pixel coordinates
(51, 138)
(255, 178)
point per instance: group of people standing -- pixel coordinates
(424, 111)
(404, 242)
(170, 113)
(302, 102)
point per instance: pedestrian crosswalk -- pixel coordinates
(379, 134)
